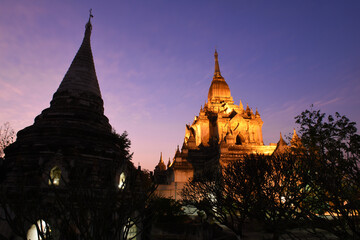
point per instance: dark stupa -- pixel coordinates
(72, 140)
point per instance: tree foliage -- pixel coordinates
(333, 137)
(7, 136)
(82, 210)
(332, 164)
(208, 193)
(257, 187)
(314, 184)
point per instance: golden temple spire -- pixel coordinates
(161, 165)
(177, 154)
(219, 91)
(169, 163)
(281, 141)
(281, 146)
(295, 140)
(257, 113)
(241, 106)
(295, 134)
(161, 158)
(217, 73)
(248, 109)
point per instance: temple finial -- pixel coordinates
(90, 14)
(169, 163)
(248, 109)
(88, 25)
(217, 67)
(295, 140)
(81, 75)
(161, 158)
(241, 106)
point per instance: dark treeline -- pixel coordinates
(313, 184)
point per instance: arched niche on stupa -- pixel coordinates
(55, 176)
(55, 173)
(41, 231)
(122, 180)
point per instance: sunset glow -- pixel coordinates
(154, 62)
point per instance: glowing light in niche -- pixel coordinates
(33, 234)
(122, 179)
(55, 176)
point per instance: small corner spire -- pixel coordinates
(295, 136)
(217, 67)
(280, 146)
(169, 163)
(241, 106)
(161, 158)
(248, 109)
(295, 140)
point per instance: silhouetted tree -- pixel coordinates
(331, 171)
(7, 136)
(277, 200)
(208, 192)
(265, 188)
(314, 184)
(79, 210)
(269, 190)
(161, 210)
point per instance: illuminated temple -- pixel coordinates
(221, 133)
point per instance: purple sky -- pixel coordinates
(154, 61)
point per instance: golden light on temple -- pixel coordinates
(220, 124)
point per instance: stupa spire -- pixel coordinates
(295, 140)
(161, 165)
(217, 73)
(161, 158)
(281, 141)
(81, 75)
(169, 163)
(248, 109)
(257, 113)
(241, 106)
(219, 91)
(295, 134)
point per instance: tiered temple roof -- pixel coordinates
(73, 134)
